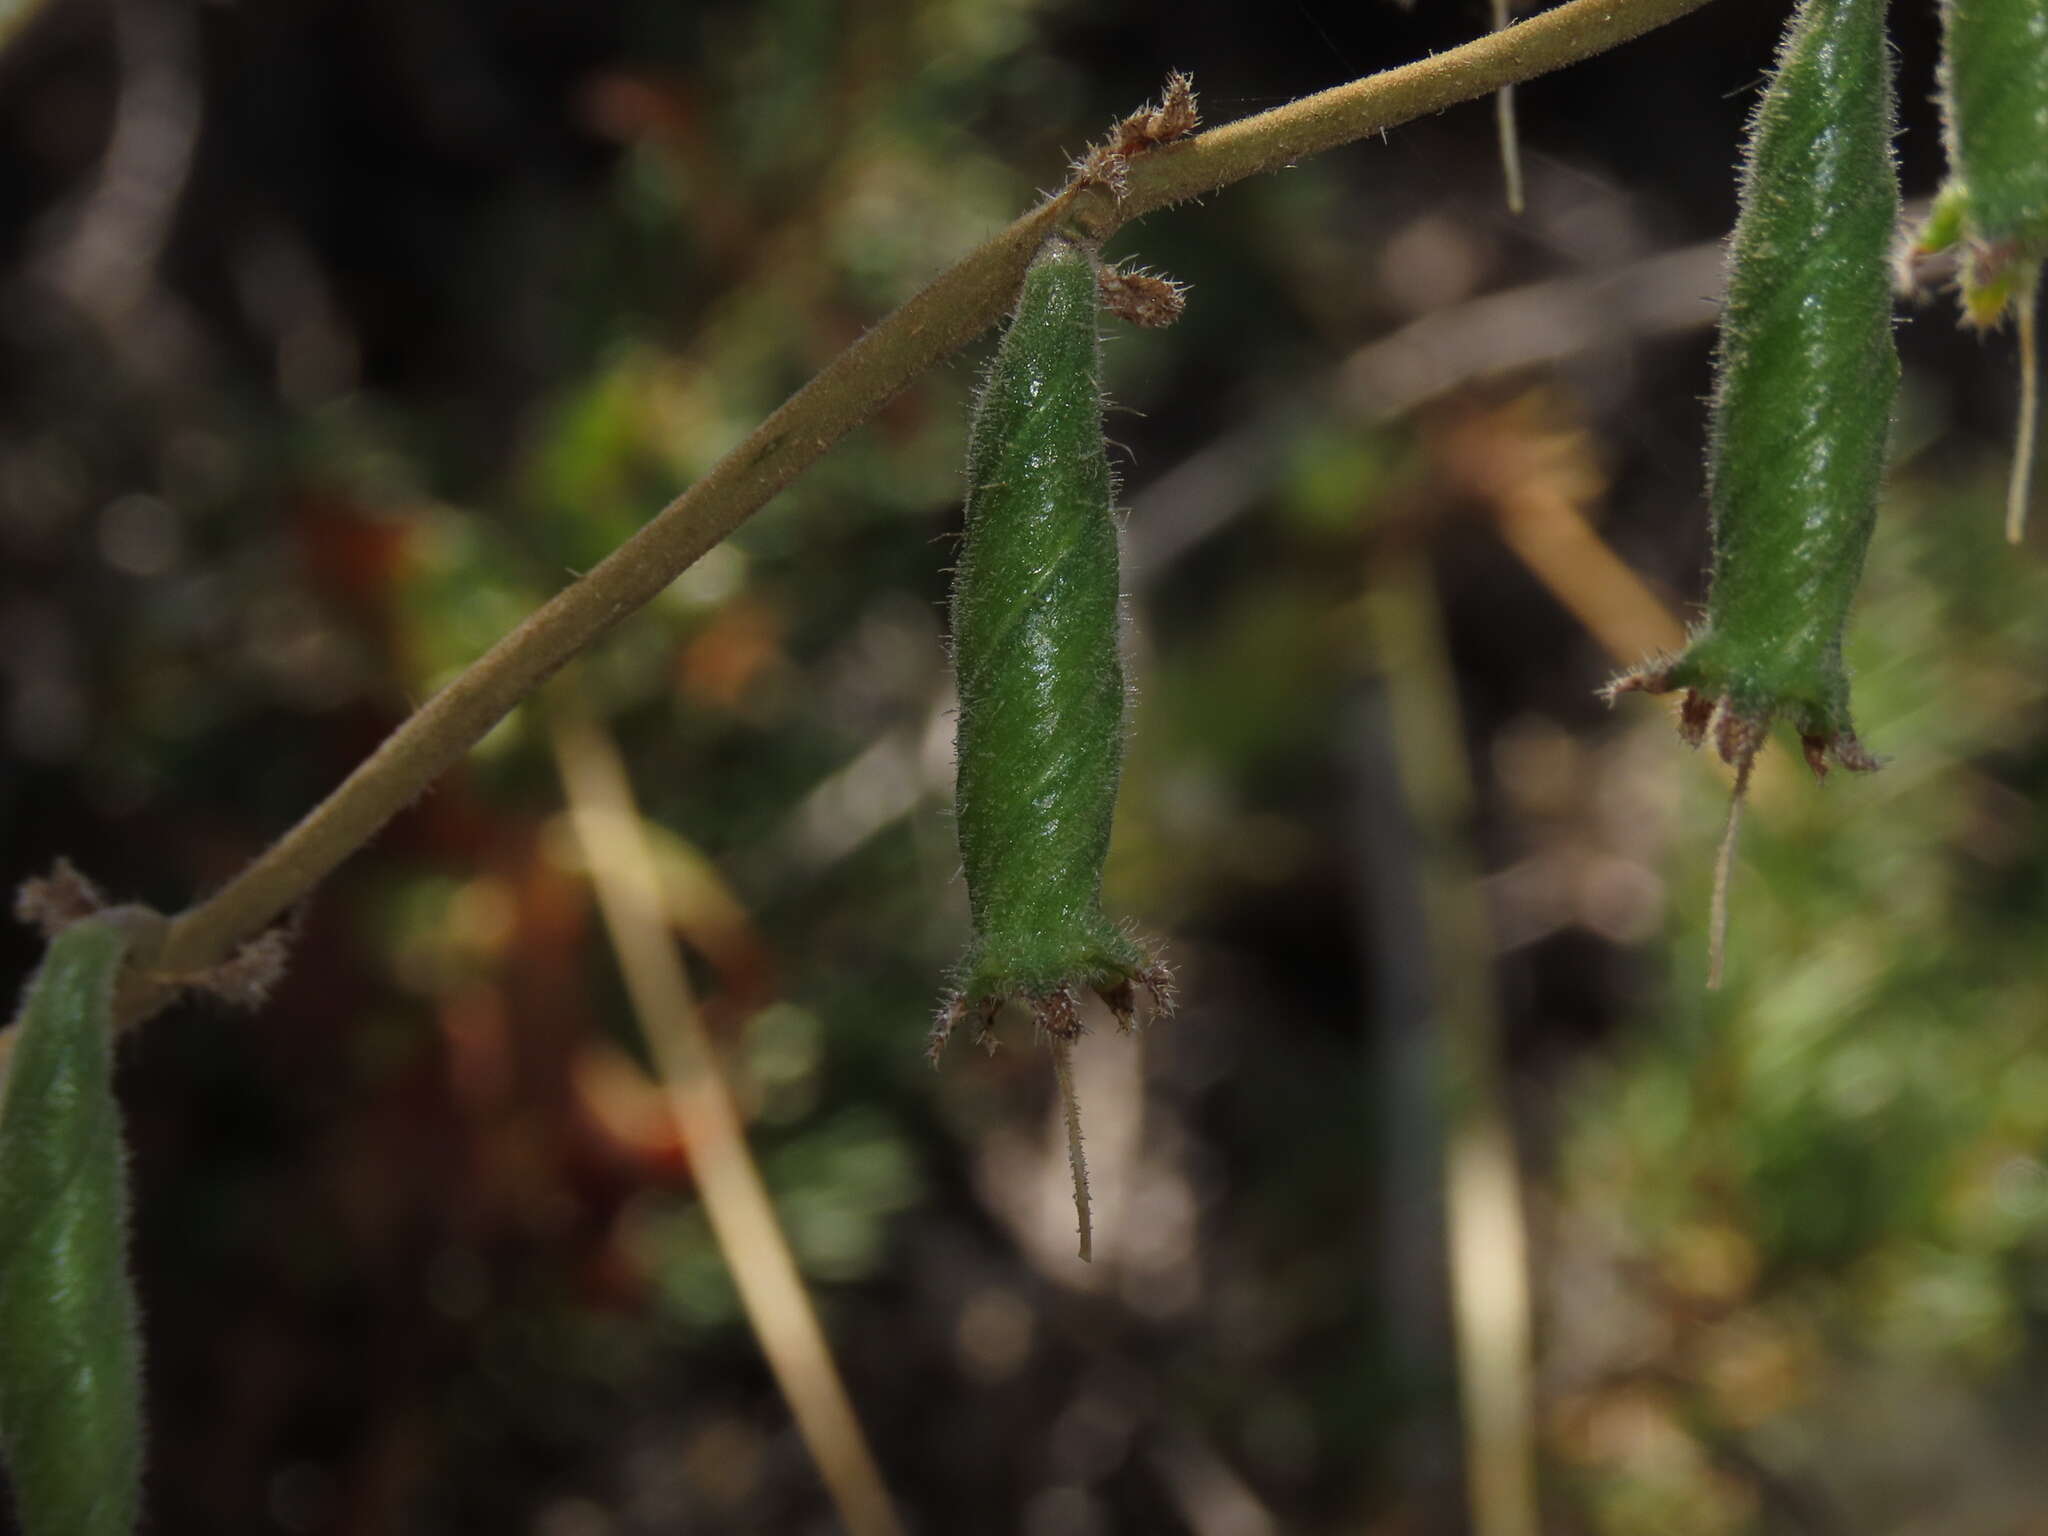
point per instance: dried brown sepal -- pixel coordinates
(1058, 1015)
(1846, 751)
(1142, 298)
(1653, 676)
(1122, 1002)
(1107, 165)
(1739, 738)
(1816, 750)
(1695, 714)
(954, 1011)
(1159, 986)
(248, 976)
(1920, 270)
(1103, 167)
(1695, 711)
(1175, 117)
(1122, 998)
(53, 902)
(1055, 1015)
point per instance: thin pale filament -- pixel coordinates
(1070, 1107)
(1724, 866)
(2030, 412)
(1504, 115)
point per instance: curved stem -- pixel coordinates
(955, 308)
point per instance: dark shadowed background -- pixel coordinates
(334, 335)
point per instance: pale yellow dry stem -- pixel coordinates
(628, 884)
(958, 306)
(1539, 473)
(1504, 119)
(1724, 867)
(2016, 493)
(1070, 1111)
(1490, 1308)
(1566, 553)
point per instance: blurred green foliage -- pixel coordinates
(417, 1250)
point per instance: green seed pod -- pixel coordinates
(1035, 648)
(1806, 376)
(70, 1357)
(1036, 609)
(1994, 91)
(1994, 95)
(1802, 405)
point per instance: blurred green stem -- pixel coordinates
(953, 310)
(1485, 1235)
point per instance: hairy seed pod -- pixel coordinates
(1036, 610)
(1806, 373)
(1994, 96)
(70, 1359)
(1994, 91)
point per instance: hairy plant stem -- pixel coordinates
(959, 305)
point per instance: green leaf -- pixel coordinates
(70, 1354)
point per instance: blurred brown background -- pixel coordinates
(334, 335)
